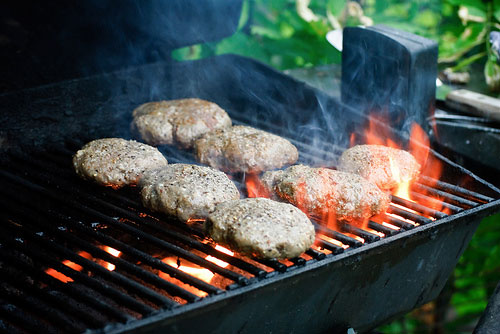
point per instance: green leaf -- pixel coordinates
(269, 32)
(427, 19)
(492, 75)
(245, 14)
(496, 11)
(335, 7)
(469, 3)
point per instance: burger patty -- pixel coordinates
(178, 122)
(261, 227)
(324, 192)
(382, 165)
(244, 149)
(186, 191)
(116, 162)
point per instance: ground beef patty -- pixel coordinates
(261, 227)
(186, 191)
(178, 122)
(116, 162)
(382, 165)
(244, 149)
(324, 192)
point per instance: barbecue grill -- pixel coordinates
(78, 257)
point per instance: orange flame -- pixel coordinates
(218, 262)
(419, 147)
(198, 272)
(255, 188)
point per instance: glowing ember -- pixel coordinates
(372, 231)
(333, 241)
(218, 262)
(392, 227)
(112, 251)
(255, 188)
(60, 276)
(403, 219)
(354, 236)
(198, 272)
(195, 220)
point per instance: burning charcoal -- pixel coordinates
(261, 227)
(178, 121)
(116, 162)
(186, 191)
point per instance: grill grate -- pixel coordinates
(52, 220)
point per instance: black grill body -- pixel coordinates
(50, 216)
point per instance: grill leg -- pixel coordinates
(489, 323)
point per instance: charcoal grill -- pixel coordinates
(54, 222)
(50, 217)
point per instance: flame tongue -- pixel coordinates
(419, 147)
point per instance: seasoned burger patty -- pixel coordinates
(178, 121)
(325, 192)
(186, 191)
(116, 162)
(261, 227)
(382, 165)
(244, 149)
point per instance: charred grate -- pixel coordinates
(60, 237)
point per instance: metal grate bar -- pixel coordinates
(397, 222)
(40, 255)
(271, 263)
(409, 215)
(110, 221)
(69, 289)
(417, 207)
(469, 194)
(38, 307)
(450, 198)
(315, 254)
(369, 237)
(298, 261)
(437, 203)
(139, 272)
(381, 228)
(23, 320)
(113, 276)
(51, 299)
(337, 235)
(328, 245)
(147, 259)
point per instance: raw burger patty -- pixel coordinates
(373, 162)
(186, 191)
(178, 121)
(244, 149)
(116, 162)
(261, 227)
(324, 192)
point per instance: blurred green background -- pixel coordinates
(289, 34)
